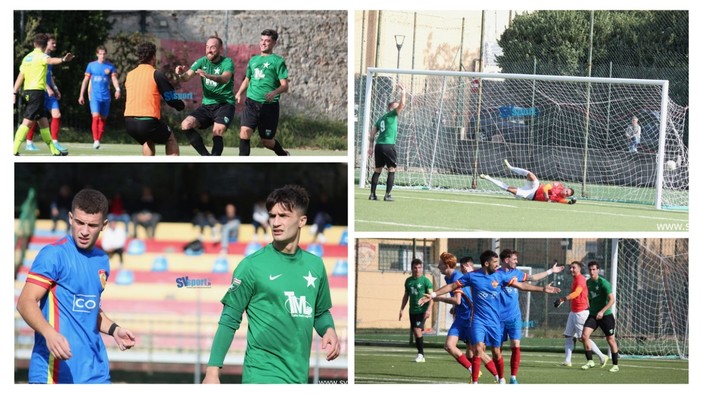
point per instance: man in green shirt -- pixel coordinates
(416, 286)
(385, 154)
(216, 72)
(32, 78)
(601, 297)
(285, 294)
(266, 79)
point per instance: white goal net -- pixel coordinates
(457, 125)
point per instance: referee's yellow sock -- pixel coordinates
(46, 136)
(20, 136)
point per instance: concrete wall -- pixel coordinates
(313, 43)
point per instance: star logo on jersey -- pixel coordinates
(103, 278)
(310, 279)
(298, 306)
(217, 70)
(266, 65)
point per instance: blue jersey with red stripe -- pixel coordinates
(509, 296)
(100, 79)
(465, 309)
(485, 292)
(74, 280)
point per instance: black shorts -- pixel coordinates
(417, 320)
(606, 324)
(263, 117)
(385, 155)
(147, 130)
(35, 105)
(209, 114)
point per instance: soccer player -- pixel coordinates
(217, 110)
(266, 79)
(485, 286)
(51, 98)
(285, 293)
(417, 286)
(32, 79)
(385, 154)
(601, 297)
(510, 313)
(142, 114)
(577, 316)
(462, 311)
(98, 75)
(61, 301)
(533, 189)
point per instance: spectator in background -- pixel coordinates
(633, 134)
(260, 220)
(60, 206)
(230, 226)
(114, 239)
(203, 215)
(145, 213)
(117, 211)
(322, 218)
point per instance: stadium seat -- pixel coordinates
(160, 264)
(125, 277)
(136, 247)
(220, 265)
(252, 247)
(316, 249)
(341, 268)
(344, 241)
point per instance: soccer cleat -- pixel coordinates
(61, 153)
(60, 147)
(603, 362)
(501, 381)
(373, 197)
(420, 358)
(96, 145)
(590, 364)
(513, 380)
(388, 198)
(566, 364)
(615, 368)
(31, 148)
(287, 153)
(483, 176)
(506, 163)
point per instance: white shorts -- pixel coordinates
(574, 326)
(528, 190)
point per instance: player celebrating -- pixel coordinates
(98, 74)
(61, 301)
(285, 294)
(510, 313)
(32, 78)
(485, 286)
(385, 154)
(532, 189)
(217, 110)
(266, 79)
(462, 310)
(601, 297)
(416, 286)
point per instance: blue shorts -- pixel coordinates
(460, 328)
(487, 334)
(100, 107)
(51, 102)
(512, 329)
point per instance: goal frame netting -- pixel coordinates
(658, 179)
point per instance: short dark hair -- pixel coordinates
(572, 191)
(99, 48)
(90, 201)
(507, 253)
(466, 260)
(40, 40)
(593, 264)
(417, 262)
(216, 37)
(487, 256)
(145, 52)
(270, 33)
(290, 197)
(575, 262)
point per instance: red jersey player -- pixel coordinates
(533, 189)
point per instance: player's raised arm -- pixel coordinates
(184, 73)
(443, 290)
(553, 270)
(167, 91)
(401, 104)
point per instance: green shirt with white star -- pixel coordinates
(264, 74)
(283, 296)
(213, 92)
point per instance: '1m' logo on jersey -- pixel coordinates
(298, 306)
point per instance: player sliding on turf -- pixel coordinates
(532, 189)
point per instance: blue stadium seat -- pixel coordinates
(344, 241)
(136, 247)
(220, 265)
(341, 268)
(160, 264)
(316, 249)
(125, 277)
(252, 247)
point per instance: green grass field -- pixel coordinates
(424, 210)
(86, 149)
(380, 358)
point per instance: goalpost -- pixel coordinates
(457, 125)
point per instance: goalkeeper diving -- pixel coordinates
(533, 189)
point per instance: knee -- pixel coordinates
(187, 124)
(268, 143)
(245, 133)
(218, 130)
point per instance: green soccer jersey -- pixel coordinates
(213, 92)
(598, 292)
(416, 288)
(387, 128)
(282, 295)
(264, 74)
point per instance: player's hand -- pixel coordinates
(81, 100)
(118, 94)
(399, 86)
(58, 346)
(211, 375)
(67, 57)
(201, 73)
(180, 70)
(550, 289)
(572, 201)
(558, 302)
(270, 96)
(557, 268)
(124, 338)
(330, 343)
(400, 315)
(58, 94)
(426, 298)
